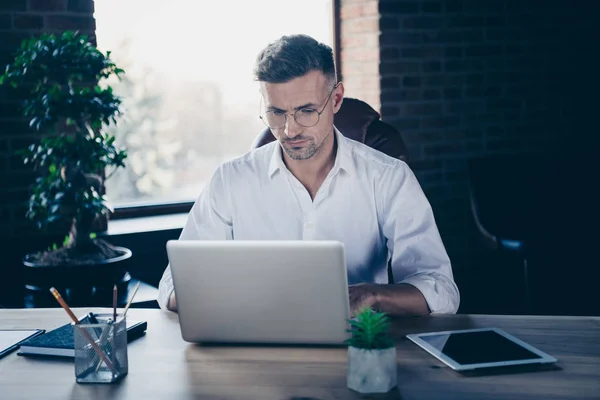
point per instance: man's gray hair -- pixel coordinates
(294, 56)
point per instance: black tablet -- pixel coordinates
(11, 338)
(471, 349)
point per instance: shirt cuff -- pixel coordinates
(438, 298)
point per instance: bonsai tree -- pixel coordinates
(372, 353)
(61, 78)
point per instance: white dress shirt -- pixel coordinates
(369, 201)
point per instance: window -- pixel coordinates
(189, 99)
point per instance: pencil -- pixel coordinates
(115, 303)
(137, 286)
(91, 341)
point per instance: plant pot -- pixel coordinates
(100, 274)
(371, 371)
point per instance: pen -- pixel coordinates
(137, 286)
(115, 303)
(91, 341)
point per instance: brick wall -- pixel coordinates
(359, 45)
(20, 19)
(464, 79)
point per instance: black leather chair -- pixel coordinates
(529, 210)
(502, 197)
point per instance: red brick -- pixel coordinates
(365, 39)
(360, 55)
(370, 8)
(365, 24)
(350, 11)
(47, 5)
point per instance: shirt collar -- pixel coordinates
(343, 158)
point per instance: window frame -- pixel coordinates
(161, 208)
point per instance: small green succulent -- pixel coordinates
(370, 330)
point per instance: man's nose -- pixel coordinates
(292, 128)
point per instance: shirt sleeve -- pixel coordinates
(209, 219)
(418, 256)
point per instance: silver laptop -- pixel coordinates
(270, 292)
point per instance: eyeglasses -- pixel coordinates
(306, 117)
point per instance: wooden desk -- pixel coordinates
(163, 366)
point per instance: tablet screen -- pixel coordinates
(478, 347)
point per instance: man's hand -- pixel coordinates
(397, 299)
(172, 305)
(362, 295)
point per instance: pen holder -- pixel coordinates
(101, 350)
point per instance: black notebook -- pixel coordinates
(60, 341)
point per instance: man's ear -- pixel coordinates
(338, 97)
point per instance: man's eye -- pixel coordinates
(308, 111)
(278, 113)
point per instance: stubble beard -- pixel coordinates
(304, 153)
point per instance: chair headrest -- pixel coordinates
(354, 117)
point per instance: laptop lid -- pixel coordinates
(293, 292)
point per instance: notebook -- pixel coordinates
(60, 342)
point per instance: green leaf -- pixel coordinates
(370, 330)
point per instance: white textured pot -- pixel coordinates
(371, 371)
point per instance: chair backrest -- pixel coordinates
(359, 121)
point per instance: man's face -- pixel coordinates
(309, 94)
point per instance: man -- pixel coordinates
(315, 184)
